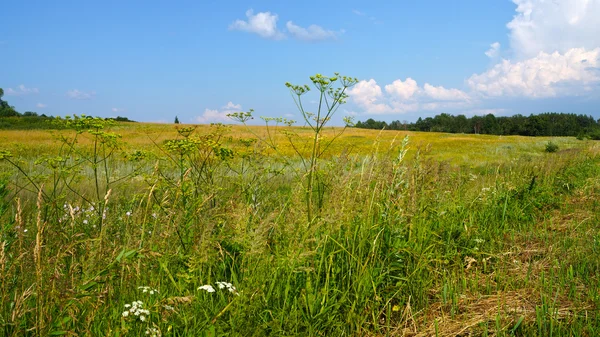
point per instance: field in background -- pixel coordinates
(459, 149)
(434, 234)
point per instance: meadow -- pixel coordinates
(130, 229)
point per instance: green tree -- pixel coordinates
(176, 120)
(5, 109)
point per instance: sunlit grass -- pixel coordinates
(460, 234)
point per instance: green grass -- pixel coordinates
(477, 235)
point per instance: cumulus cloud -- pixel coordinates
(80, 95)
(312, 33)
(218, 115)
(442, 94)
(493, 51)
(406, 96)
(366, 94)
(21, 90)
(40, 105)
(550, 26)
(546, 75)
(554, 51)
(404, 90)
(263, 24)
(555, 48)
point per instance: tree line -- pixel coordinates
(545, 124)
(10, 118)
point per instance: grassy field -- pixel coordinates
(139, 229)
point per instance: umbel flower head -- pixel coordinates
(136, 308)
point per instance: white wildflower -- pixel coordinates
(128, 213)
(146, 289)
(207, 287)
(227, 285)
(136, 308)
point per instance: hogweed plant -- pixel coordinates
(332, 93)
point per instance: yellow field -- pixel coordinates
(457, 149)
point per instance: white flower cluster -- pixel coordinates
(136, 308)
(207, 288)
(221, 285)
(148, 290)
(227, 285)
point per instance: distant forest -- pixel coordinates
(10, 118)
(545, 124)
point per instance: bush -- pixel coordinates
(551, 147)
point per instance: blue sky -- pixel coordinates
(199, 60)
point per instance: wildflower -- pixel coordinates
(227, 285)
(136, 309)
(207, 287)
(168, 307)
(85, 222)
(25, 230)
(128, 213)
(154, 215)
(148, 290)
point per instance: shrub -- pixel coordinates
(551, 147)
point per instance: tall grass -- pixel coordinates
(210, 233)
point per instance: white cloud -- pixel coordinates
(231, 106)
(556, 52)
(80, 95)
(21, 90)
(366, 95)
(546, 75)
(403, 90)
(312, 33)
(549, 26)
(117, 110)
(406, 96)
(263, 23)
(359, 13)
(442, 94)
(40, 105)
(494, 50)
(218, 115)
